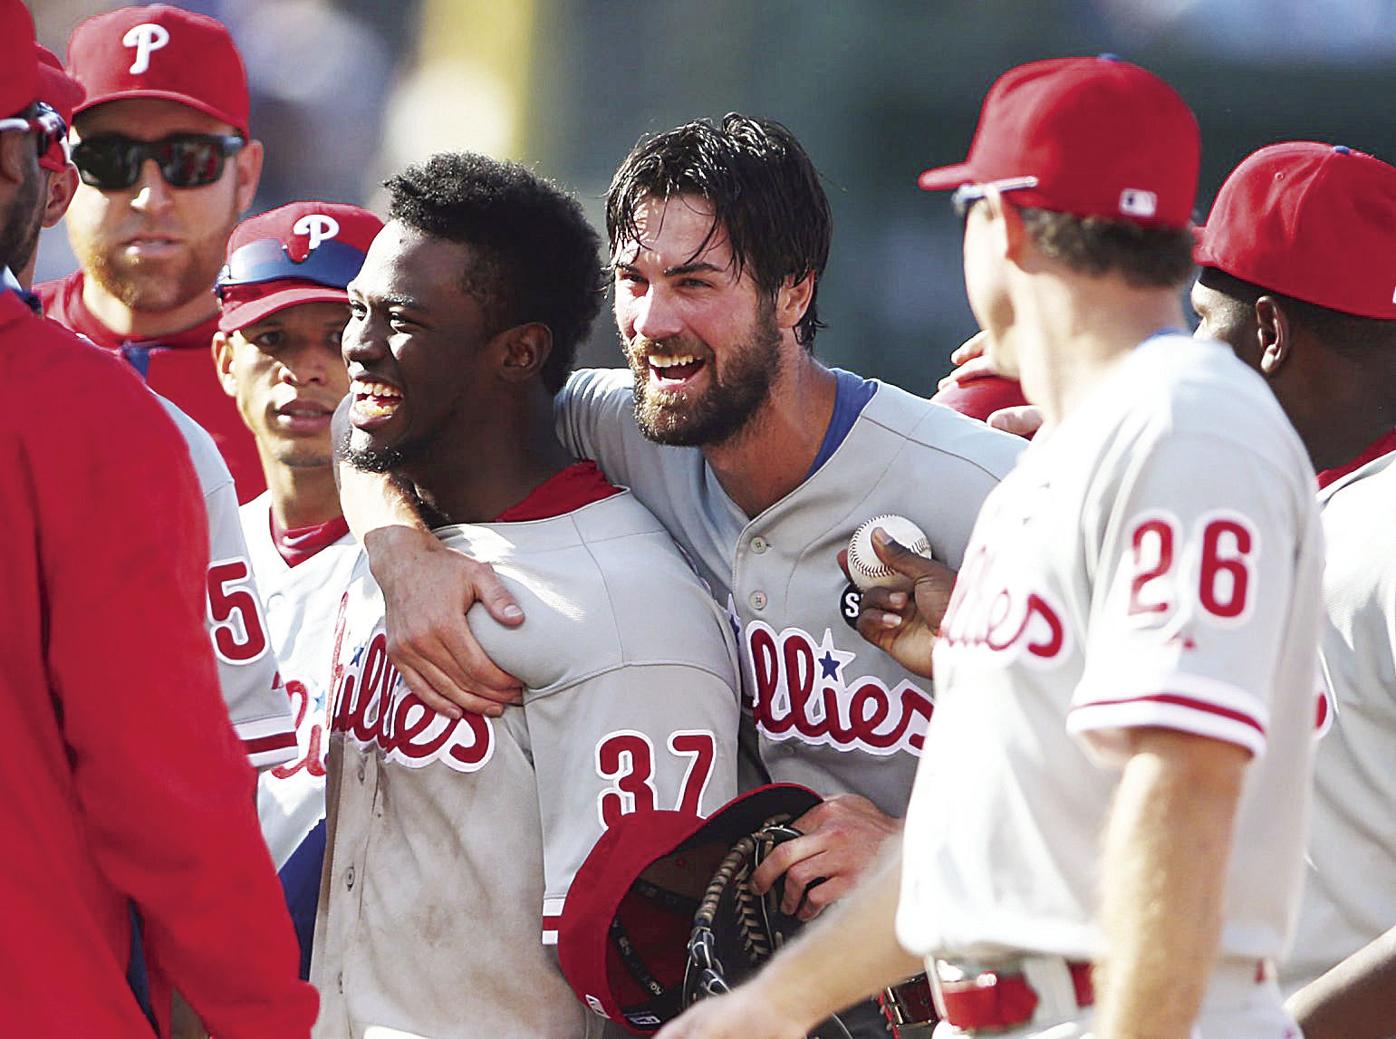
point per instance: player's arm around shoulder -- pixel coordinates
(427, 589)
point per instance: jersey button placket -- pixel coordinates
(759, 545)
(758, 600)
(349, 878)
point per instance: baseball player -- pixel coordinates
(453, 838)
(1106, 835)
(124, 781)
(277, 350)
(1286, 282)
(760, 462)
(58, 175)
(167, 166)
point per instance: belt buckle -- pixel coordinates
(909, 1007)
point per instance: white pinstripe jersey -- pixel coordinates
(452, 845)
(247, 668)
(1153, 561)
(300, 604)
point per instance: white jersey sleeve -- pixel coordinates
(634, 739)
(247, 669)
(1193, 580)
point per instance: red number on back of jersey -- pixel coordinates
(235, 615)
(627, 759)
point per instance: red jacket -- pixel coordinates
(122, 776)
(179, 367)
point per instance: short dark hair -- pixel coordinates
(535, 254)
(1334, 328)
(1147, 257)
(763, 188)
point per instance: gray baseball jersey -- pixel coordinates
(452, 844)
(300, 604)
(1350, 891)
(831, 711)
(1155, 560)
(247, 668)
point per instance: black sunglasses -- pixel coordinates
(44, 123)
(186, 160)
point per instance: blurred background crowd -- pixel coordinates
(347, 91)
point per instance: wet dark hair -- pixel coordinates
(1334, 328)
(1147, 257)
(762, 186)
(534, 254)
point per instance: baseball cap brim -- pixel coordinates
(164, 95)
(945, 178)
(241, 315)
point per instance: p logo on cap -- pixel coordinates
(317, 227)
(145, 38)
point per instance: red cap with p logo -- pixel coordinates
(164, 53)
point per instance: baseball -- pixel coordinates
(865, 568)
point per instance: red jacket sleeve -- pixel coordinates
(164, 790)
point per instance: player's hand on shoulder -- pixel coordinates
(904, 623)
(843, 837)
(427, 589)
(745, 1013)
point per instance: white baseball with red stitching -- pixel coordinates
(865, 568)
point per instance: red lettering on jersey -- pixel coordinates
(801, 693)
(627, 759)
(312, 758)
(986, 613)
(374, 707)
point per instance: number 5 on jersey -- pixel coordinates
(234, 613)
(627, 760)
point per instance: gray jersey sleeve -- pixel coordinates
(635, 738)
(1195, 542)
(247, 670)
(595, 417)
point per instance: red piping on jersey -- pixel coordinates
(1180, 701)
(1384, 444)
(263, 744)
(579, 484)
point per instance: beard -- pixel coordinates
(391, 459)
(155, 286)
(22, 221)
(735, 392)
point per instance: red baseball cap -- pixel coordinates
(1312, 221)
(981, 396)
(302, 252)
(61, 92)
(1088, 136)
(623, 935)
(160, 52)
(56, 87)
(19, 78)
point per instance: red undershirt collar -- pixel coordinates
(579, 484)
(1384, 444)
(300, 543)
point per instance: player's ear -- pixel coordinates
(61, 189)
(1274, 334)
(524, 349)
(17, 159)
(223, 362)
(792, 300)
(1006, 225)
